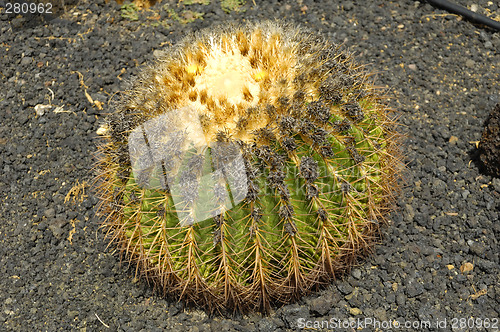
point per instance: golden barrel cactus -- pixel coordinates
(246, 166)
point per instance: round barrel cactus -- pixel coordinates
(247, 166)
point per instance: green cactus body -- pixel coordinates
(321, 164)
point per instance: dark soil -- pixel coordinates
(443, 73)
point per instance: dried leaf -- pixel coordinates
(40, 109)
(89, 98)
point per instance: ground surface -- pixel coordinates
(55, 272)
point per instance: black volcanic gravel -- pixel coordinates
(443, 73)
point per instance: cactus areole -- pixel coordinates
(247, 166)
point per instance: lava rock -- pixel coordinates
(489, 146)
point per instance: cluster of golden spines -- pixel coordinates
(321, 157)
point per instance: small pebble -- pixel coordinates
(355, 311)
(25, 61)
(453, 140)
